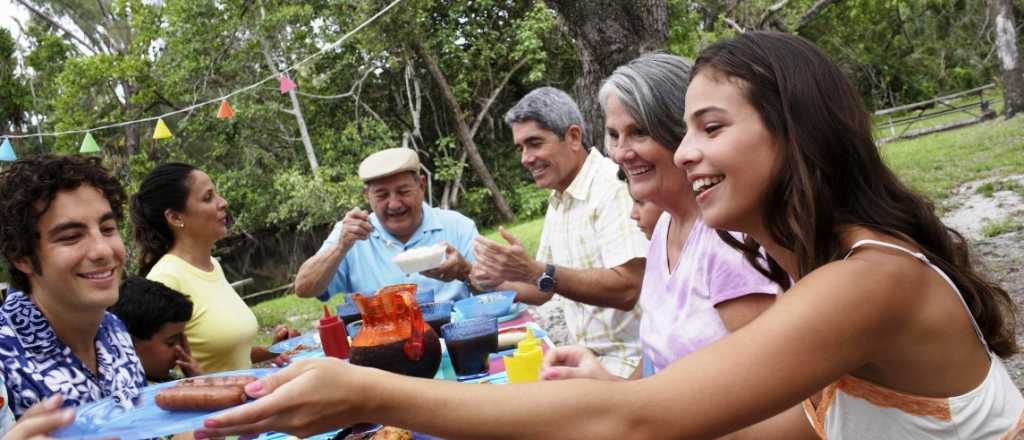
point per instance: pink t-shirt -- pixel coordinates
(679, 315)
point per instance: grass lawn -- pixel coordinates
(936, 164)
(933, 165)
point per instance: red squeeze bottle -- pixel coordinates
(333, 336)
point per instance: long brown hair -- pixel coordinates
(166, 187)
(831, 174)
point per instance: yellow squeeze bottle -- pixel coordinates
(524, 365)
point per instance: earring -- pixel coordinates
(181, 225)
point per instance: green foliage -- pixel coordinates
(902, 52)
(1001, 227)
(14, 93)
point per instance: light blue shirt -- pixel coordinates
(368, 266)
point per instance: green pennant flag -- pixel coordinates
(89, 145)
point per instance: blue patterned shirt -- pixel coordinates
(34, 364)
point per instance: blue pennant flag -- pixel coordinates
(7, 152)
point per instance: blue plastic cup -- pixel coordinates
(437, 314)
(424, 296)
(470, 344)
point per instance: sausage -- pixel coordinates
(216, 381)
(200, 398)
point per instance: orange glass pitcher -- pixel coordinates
(394, 336)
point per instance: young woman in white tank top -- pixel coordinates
(873, 335)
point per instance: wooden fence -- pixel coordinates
(901, 126)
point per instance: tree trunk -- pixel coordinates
(607, 34)
(462, 131)
(1009, 57)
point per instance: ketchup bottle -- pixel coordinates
(333, 336)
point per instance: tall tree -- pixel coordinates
(607, 34)
(1009, 56)
(116, 36)
(12, 90)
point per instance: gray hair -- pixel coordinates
(551, 108)
(652, 87)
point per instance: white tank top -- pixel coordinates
(853, 408)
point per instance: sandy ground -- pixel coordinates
(1002, 257)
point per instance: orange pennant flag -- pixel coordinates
(225, 111)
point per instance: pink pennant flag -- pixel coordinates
(287, 84)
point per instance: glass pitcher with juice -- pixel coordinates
(394, 336)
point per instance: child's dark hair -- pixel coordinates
(146, 306)
(832, 174)
(28, 187)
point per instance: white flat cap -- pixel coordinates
(387, 162)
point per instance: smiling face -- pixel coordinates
(552, 162)
(728, 153)
(648, 164)
(206, 212)
(80, 253)
(398, 202)
(157, 353)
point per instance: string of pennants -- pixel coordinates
(161, 131)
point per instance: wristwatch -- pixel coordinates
(546, 281)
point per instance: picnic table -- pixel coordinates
(496, 374)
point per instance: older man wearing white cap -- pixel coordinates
(357, 256)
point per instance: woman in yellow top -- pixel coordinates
(177, 217)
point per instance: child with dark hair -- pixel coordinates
(156, 316)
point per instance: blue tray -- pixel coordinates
(513, 313)
(107, 419)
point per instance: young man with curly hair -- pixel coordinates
(60, 241)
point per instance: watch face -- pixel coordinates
(546, 283)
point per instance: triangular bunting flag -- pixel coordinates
(89, 145)
(225, 111)
(286, 84)
(7, 151)
(161, 131)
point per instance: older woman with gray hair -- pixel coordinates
(696, 288)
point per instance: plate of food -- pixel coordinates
(307, 342)
(162, 409)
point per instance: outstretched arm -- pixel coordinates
(808, 339)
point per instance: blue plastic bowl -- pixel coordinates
(489, 304)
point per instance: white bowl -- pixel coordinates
(420, 259)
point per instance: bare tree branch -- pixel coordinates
(494, 95)
(768, 13)
(733, 24)
(53, 22)
(813, 11)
